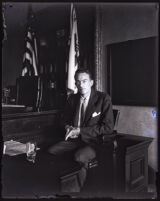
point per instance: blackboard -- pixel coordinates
(132, 75)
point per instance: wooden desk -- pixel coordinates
(122, 170)
(31, 126)
(130, 159)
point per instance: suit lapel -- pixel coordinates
(91, 106)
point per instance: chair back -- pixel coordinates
(110, 137)
(116, 114)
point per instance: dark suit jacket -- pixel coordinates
(98, 119)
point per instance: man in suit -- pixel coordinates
(88, 116)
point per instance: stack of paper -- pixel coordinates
(13, 148)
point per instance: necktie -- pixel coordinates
(82, 109)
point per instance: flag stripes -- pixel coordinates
(30, 57)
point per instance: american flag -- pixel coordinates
(30, 57)
(73, 51)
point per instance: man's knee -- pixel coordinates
(84, 155)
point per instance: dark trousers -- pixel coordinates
(82, 153)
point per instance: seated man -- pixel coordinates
(87, 117)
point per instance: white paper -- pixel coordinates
(14, 148)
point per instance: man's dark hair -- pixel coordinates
(83, 70)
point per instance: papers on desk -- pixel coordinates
(13, 148)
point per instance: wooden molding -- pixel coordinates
(98, 50)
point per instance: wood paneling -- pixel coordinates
(31, 126)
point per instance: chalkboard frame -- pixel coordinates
(127, 93)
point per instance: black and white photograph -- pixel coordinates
(79, 100)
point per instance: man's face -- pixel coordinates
(84, 83)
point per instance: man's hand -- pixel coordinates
(72, 132)
(68, 129)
